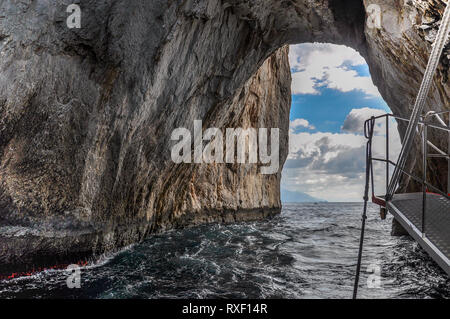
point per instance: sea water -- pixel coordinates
(309, 251)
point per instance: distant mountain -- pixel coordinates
(297, 197)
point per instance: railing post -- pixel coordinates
(448, 159)
(424, 185)
(387, 154)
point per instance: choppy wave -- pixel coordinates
(309, 251)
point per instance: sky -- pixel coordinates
(332, 95)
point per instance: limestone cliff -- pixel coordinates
(398, 54)
(86, 114)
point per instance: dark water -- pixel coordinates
(307, 252)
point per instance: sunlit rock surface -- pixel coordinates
(86, 114)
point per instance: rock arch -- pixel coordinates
(86, 114)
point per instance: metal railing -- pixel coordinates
(424, 125)
(385, 201)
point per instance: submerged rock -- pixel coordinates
(86, 114)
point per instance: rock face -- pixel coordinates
(86, 115)
(398, 54)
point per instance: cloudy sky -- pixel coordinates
(332, 96)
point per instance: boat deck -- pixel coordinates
(408, 208)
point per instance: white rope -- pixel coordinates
(438, 48)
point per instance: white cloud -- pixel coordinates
(354, 122)
(317, 65)
(300, 123)
(312, 55)
(331, 166)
